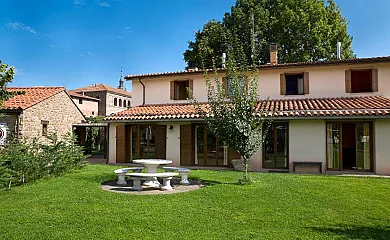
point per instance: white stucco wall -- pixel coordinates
(307, 142)
(87, 106)
(382, 147)
(326, 81)
(173, 142)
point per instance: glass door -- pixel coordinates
(275, 147)
(333, 142)
(363, 146)
(143, 142)
(209, 150)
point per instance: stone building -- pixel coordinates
(89, 106)
(112, 100)
(38, 112)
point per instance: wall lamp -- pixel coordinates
(171, 127)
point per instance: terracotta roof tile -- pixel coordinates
(75, 94)
(266, 66)
(32, 96)
(309, 107)
(101, 88)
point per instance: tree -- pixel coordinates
(305, 30)
(234, 112)
(6, 76)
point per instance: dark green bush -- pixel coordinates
(22, 162)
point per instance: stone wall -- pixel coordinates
(111, 108)
(60, 112)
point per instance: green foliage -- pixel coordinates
(28, 161)
(305, 30)
(6, 76)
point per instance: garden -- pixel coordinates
(275, 206)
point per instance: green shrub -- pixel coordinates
(22, 161)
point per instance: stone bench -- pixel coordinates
(166, 177)
(184, 172)
(122, 174)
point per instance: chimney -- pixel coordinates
(273, 50)
(338, 50)
(223, 60)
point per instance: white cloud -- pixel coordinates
(82, 54)
(21, 26)
(104, 4)
(120, 37)
(128, 29)
(51, 45)
(80, 2)
(48, 35)
(67, 48)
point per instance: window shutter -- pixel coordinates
(161, 141)
(191, 87)
(348, 88)
(374, 79)
(282, 84)
(306, 82)
(186, 146)
(120, 144)
(172, 90)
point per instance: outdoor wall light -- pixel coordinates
(171, 127)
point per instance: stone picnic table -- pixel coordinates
(151, 166)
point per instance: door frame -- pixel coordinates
(275, 146)
(340, 123)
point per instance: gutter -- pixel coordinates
(143, 91)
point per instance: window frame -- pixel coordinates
(305, 83)
(373, 79)
(173, 89)
(120, 102)
(45, 125)
(115, 102)
(275, 155)
(80, 101)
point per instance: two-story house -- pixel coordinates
(89, 106)
(336, 113)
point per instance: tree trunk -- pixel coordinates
(246, 166)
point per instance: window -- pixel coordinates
(93, 113)
(44, 127)
(80, 101)
(179, 89)
(124, 103)
(228, 84)
(115, 102)
(128, 103)
(275, 147)
(362, 80)
(294, 84)
(120, 102)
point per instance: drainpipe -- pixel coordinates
(143, 91)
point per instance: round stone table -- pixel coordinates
(151, 166)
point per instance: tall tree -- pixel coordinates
(305, 30)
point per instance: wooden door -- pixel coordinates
(186, 146)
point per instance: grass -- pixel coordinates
(277, 206)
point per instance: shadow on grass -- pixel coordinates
(208, 182)
(357, 232)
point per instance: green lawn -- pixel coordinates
(277, 206)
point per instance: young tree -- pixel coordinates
(234, 112)
(305, 30)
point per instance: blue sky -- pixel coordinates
(74, 43)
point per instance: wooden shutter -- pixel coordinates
(191, 87)
(374, 79)
(127, 143)
(186, 146)
(161, 141)
(120, 144)
(282, 84)
(306, 82)
(172, 90)
(348, 87)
